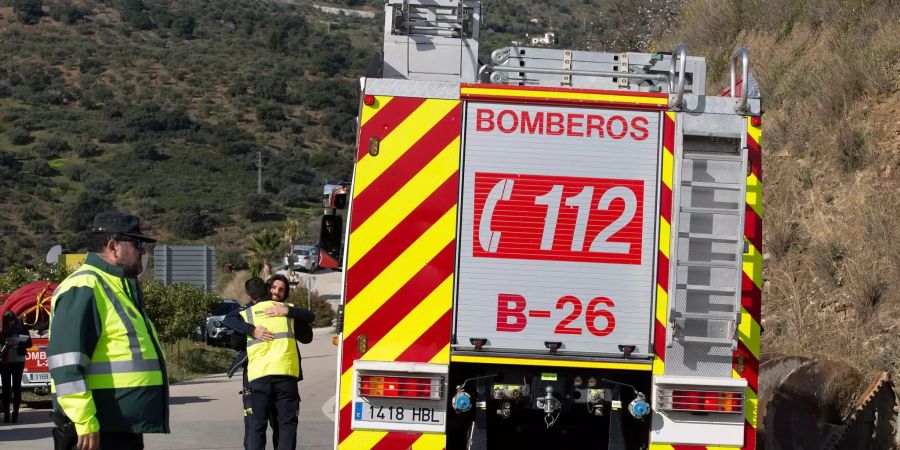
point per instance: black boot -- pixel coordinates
(15, 416)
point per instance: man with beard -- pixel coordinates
(108, 375)
(270, 374)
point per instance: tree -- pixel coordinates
(28, 11)
(79, 215)
(293, 232)
(191, 222)
(177, 309)
(262, 248)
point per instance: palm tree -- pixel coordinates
(292, 233)
(262, 248)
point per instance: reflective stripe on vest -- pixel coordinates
(280, 355)
(288, 335)
(101, 372)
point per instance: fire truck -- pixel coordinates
(554, 249)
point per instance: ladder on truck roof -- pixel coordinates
(674, 72)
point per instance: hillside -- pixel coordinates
(831, 141)
(164, 109)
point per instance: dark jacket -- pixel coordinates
(14, 353)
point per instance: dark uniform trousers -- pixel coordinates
(278, 395)
(247, 399)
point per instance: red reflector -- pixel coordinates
(391, 387)
(369, 100)
(404, 387)
(686, 400)
(755, 121)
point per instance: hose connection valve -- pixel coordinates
(462, 401)
(639, 408)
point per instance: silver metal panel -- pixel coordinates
(191, 264)
(425, 40)
(698, 360)
(412, 88)
(512, 262)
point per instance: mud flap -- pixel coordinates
(616, 434)
(477, 439)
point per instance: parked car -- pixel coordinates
(305, 257)
(212, 330)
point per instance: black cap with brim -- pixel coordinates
(119, 223)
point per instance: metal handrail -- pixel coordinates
(680, 55)
(741, 106)
(596, 73)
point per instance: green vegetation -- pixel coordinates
(186, 360)
(17, 275)
(176, 310)
(167, 109)
(828, 73)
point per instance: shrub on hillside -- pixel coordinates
(78, 214)
(76, 171)
(28, 11)
(148, 152)
(9, 164)
(111, 134)
(51, 147)
(192, 223)
(87, 149)
(231, 255)
(270, 116)
(18, 136)
(254, 206)
(151, 117)
(38, 167)
(64, 11)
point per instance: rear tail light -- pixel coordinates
(418, 387)
(701, 401)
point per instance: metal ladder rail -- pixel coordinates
(731, 319)
(675, 80)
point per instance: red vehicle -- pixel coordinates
(37, 372)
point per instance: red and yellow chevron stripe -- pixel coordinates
(751, 289)
(665, 232)
(401, 250)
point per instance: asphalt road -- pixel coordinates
(205, 412)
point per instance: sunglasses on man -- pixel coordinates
(138, 244)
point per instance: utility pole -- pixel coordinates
(259, 172)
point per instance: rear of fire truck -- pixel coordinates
(554, 250)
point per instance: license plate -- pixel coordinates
(34, 377)
(398, 414)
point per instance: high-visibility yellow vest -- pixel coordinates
(279, 356)
(127, 355)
